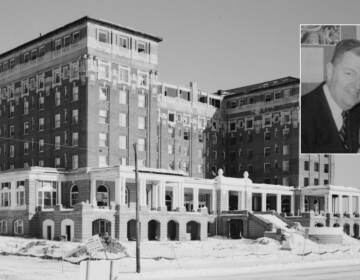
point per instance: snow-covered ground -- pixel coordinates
(215, 256)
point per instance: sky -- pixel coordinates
(219, 44)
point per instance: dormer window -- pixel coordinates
(67, 40)
(26, 57)
(33, 55)
(58, 44)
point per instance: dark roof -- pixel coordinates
(78, 22)
(260, 86)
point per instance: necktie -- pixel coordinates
(344, 130)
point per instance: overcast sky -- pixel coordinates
(220, 44)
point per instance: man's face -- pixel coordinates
(343, 80)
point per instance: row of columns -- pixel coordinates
(350, 210)
(158, 194)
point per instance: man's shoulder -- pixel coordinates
(313, 97)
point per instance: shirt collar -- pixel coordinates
(334, 107)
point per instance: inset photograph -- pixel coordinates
(330, 88)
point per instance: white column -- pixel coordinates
(351, 211)
(240, 205)
(59, 192)
(213, 201)
(278, 203)
(341, 205)
(329, 203)
(155, 194)
(302, 203)
(196, 199)
(161, 196)
(142, 191)
(175, 197)
(248, 205)
(263, 201)
(292, 204)
(180, 196)
(93, 192)
(118, 190)
(13, 194)
(123, 191)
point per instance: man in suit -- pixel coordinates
(330, 114)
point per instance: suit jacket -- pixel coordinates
(319, 133)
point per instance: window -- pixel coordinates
(12, 130)
(123, 41)
(67, 40)
(122, 142)
(103, 36)
(26, 128)
(103, 161)
(141, 144)
(267, 121)
(142, 79)
(306, 165)
(103, 139)
(26, 148)
(5, 194)
(65, 72)
(285, 149)
(103, 116)
(74, 195)
(75, 93)
(75, 139)
(122, 97)
(76, 37)
(41, 100)
(316, 181)
(75, 116)
(41, 145)
(41, 124)
(249, 123)
(74, 71)
(141, 47)
(3, 226)
(286, 165)
(316, 166)
(186, 120)
(20, 193)
(326, 168)
(12, 110)
(57, 162)
(171, 131)
(57, 44)
(276, 148)
(41, 51)
(57, 76)
(26, 106)
(75, 162)
(57, 120)
(104, 93)
(40, 81)
(104, 70)
(141, 100)
(326, 182)
(12, 151)
(186, 134)
(171, 117)
(47, 194)
(19, 227)
(306, 181)
(57, 98)
(26, 57)
(124, 74)
(267, 135)
(12, 63)
(57, 142)
(232, 126)
(141, 122)
(122, 119)
(214, 139)
(267, 167)
(171, 149)
(267, 151)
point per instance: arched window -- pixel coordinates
(20, 193)
(3, 226)
(19, 227)
(74, 195)
(5, 195)
(102, 196)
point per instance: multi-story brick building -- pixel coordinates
(82, 94)
(257, 130)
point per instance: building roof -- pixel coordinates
(260, 86)
(78, 22)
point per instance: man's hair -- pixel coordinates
(344, 46)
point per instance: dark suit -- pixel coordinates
(319, 133)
